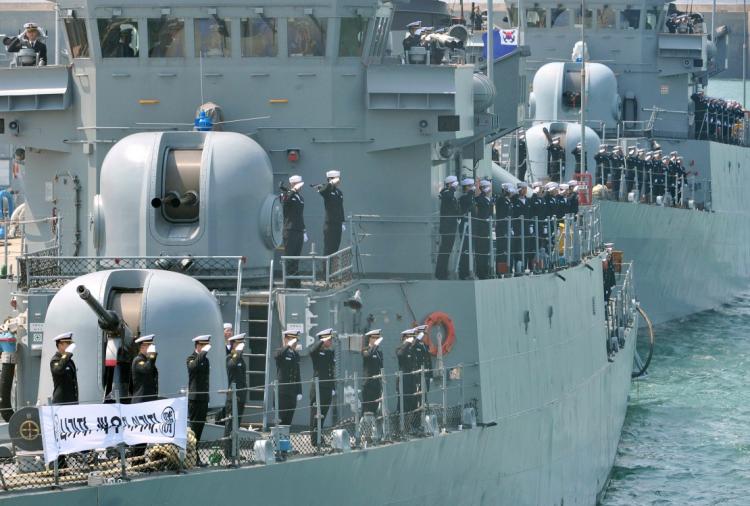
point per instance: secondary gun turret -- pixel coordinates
(108, 320)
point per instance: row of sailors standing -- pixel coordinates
(651, 173)
(521, 217)
(718, 120)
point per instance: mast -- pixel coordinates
(584, 167)
(490, 64)
(744, 53)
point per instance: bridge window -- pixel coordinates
(259, 36)
(77, 37)
(118, 37)
(560, 16)
(166, 37)
(306, 36)
(605, 17)
(212, 37)
(536, 17)
(652, 18)
(352, 39)
(586, 19)
(630, 19)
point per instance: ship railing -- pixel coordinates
(14, 234)
(464, 247)
(47, 270)
(435, 399)
(648, 186)
(318, 271)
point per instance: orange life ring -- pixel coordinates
(440, 318)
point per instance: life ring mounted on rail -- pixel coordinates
(443, 320)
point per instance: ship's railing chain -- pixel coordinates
(318, 271)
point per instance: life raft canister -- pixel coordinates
(442, 319)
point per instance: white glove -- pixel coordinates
(343, 227)
(291, 343)
(151, 348)
(240, 347)
(298, 347)
(531, 229)
(299, 397)
(70, 349)
(409, 340)
(207, 348)
(378, 341)
(420, 336)
(304, 238)
(335, 180)
(333, 392)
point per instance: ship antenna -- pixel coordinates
(744, 54)
(200, 69)
(584, 166)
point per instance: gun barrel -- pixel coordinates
(170, 199)
(108, 320)
(189, 198)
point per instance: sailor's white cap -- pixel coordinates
(536, 184)
(408, 332)
(414, 24)
(523, 184)
(507, 186)
(564, 186)
(291, 332)
(609, 245)
(467, 181)
(451, 180)
(484, 183)
(149, 338)
(295, 179)
(333, 173)
(513, 190)
(374, 333)
(420, 328)
(550, 186)
(65, 336)
(324, 333)
(572, 182)
(202, 339)
(237, 337)
(227, 326)
(30, 26)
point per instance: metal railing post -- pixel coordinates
(445, 398)
(650, 186)
(401, 415)
(493, 260)
(422, 407)
(276, 418)
(536, 240)
(471, 246)
(318, 416)
(235, 427)
(509, 242)
(384, 406)
(356, 410)
(523, 243)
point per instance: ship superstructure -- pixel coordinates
(523, 397)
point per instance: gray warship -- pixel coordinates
(166, 229)
(647, 67)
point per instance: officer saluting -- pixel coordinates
(288, 376)
(294, 225)
(422, 357)
(143, 371)
(408, 386)
(228, 332)
(411, 39)
(235, 374)
(64, 372)
(333, 199)
(324, 368)
(372, 363)
(198, 373)
(449, 213)
(481, 231)
(467, 210)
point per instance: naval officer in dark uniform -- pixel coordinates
(199, 369)
(288, 376)
(143, 371)
(64, 372)
(144, 378)
(503, 213)
(236, 373)
(372, 363)
(333, 200)
(294, 225)
(449, 214)
(406, 364)
(481, 229)
(422, 358)
(324, 368)
(31, 38)
(411, 39)
(467, 209)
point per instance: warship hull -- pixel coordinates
(687, 261)
(551, 408)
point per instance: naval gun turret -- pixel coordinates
(108, 320)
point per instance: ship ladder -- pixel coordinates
(640, 366)
(256, 320)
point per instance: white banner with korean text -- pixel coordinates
(74, 428)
